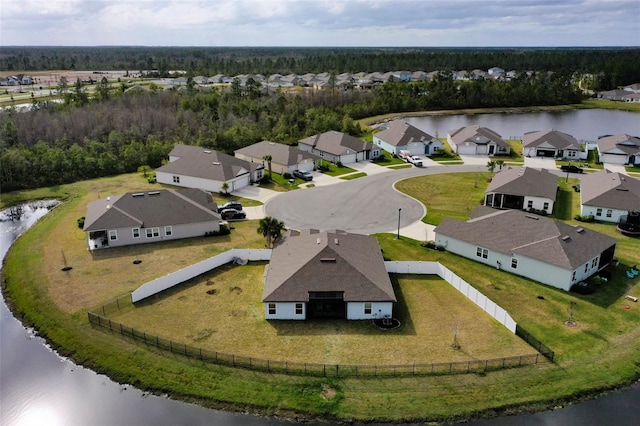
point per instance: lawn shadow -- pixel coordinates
(608, 293)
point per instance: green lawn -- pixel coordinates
(353, 176)
(454, 194)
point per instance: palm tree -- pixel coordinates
(271, 228)
(500, 164)
(268, 159)
(491, 165)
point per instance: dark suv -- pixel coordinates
(230, 205)
(227, 214)
(304, 175)
(571, 169)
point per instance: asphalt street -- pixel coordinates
(365, 205)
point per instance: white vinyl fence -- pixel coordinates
(435, 268)
(185, 274)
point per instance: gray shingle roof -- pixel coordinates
(513, 232)
(558, 140)
(336, 143)
(477, 135)
(401, 133)
(207, 164)
(524, 181)
(327, 261)
(610, 190)
(280, 153)
(627, 144)
(151, 209)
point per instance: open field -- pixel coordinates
(603, 351)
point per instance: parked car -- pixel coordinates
(302, 174)
(405, 155)
(415, 160)
(570, 168)
(227, 214)
(230, 205)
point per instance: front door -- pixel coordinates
(491, 149)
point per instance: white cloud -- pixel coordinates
(320, 22)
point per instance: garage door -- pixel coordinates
(545, 153)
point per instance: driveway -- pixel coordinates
(540, 162)
(365, 205)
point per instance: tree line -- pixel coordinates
(116, 132)
(612, 66)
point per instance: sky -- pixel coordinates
(419, 23)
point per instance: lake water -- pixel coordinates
(39, 387)
(584, 125)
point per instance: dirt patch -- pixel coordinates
(328, 392)
(212, 291)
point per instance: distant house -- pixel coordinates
(197, 167)
(522, 188)
(338, 147)
(532, 246)
(147, 217)
(284, 158)
(609, 196)
(619, 149)
(476, 140)
(334, 275)
(402, 136)
(551, 143)
(614, 95)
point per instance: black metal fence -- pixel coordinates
(310, 369)
(537, 344)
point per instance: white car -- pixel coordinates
(415, 160)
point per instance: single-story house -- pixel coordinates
(619, 149)
(476, 140)
(532, 246)
(522, 188)
(550, 143)
(609, 196)
(196, 167)
(402, 136)
(333, 274)
(147, 217)
(284, 158)
(338, 147)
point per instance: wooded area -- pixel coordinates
(115, 132)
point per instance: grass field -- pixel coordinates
(601, 352)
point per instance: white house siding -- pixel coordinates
(285, 311)
(306, 165)
(387, 146)
(536, 270)
(434, 148)
(468, 149)
(538, 203)
(355, 310)
(201, 183)
(603, 216)
(124, 236)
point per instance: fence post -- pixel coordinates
(157, 342)
(324, 370)
(337, 370)
(171, 345)
(118, 303)
(104, 314)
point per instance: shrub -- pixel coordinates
(439, 247)
(287, 175)
(339, 164)
(429, 244)
(588, 218)
(81, 222)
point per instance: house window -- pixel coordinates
(586, 266)
(514, 263)
(272, 308)
(545, 206)
(436, 148)
(153, 232)
(482, 252)
(367, 308)
(573, 276)
(259, 174)
(136, 232)
(599, 212)
(530, 204)
(594, 262)
(176, 179)
(298, 309)
(168, 231)
(113, 235)
(609, 212)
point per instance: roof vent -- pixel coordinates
(328, 259)
(566, 238)
(336, 241)
(318, 241)
(206, 151)
(138, 194)
(215, 163)
(580, 230)
(154, 193)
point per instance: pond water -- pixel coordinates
(584, 125)
(39, 387)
